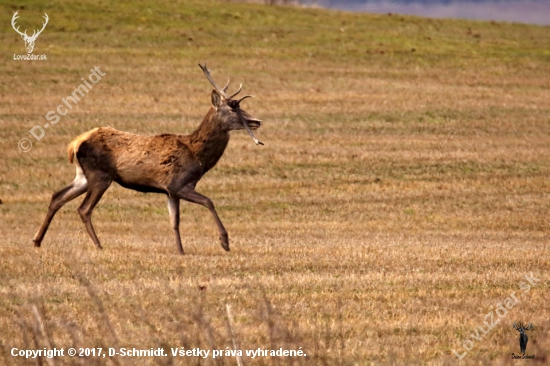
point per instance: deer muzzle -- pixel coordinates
(248, 123)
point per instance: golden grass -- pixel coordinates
(400, 196)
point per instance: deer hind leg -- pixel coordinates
(188, 193)
(174, 211)
(77, 187)
(96, 187)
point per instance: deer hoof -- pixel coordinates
(36, 243)
(225, 242)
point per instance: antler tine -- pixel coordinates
(13, 19)
(45, 23)
(243, 98)
(226, 85)
(237, 92)
(207, 74)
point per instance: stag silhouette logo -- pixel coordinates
(522, 328)
(29, 40)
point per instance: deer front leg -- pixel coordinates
(174, 211)
(189, 194)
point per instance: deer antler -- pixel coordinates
(13, 19)
(227, 85)
(522, 326)
(223, 90)
(35, 34)
(243, 98)
(237, 92)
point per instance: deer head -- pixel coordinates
(229, 109)
(29, 41)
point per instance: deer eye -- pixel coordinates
(233, 104)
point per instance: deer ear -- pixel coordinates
(217, 99)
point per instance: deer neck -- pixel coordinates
(209, 141)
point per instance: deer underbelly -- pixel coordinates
(140, 187)
(140, 180)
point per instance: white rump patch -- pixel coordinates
(80, 179)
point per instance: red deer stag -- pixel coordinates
(169, 164)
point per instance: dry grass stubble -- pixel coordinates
(398, 199)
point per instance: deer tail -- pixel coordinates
(72, 149)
